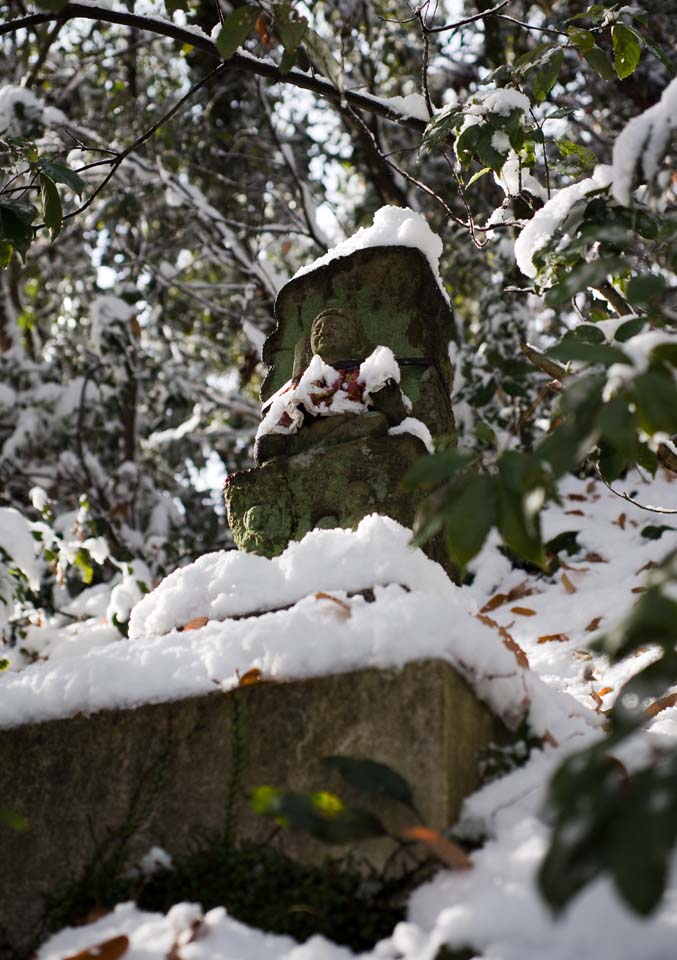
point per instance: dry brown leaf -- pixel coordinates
(647, 566)
(446, 851)
(620, 521)
(523, 611)
(603, 692)
(576, 496)
(554, 637)
(598, 700)
(582, 655)
(342, 606)
(108, 950)
(567, 584)
(594, 624)
(593, 557)
(591, 487)
(549, 739)
(508, 641)
(251, 677)
(574, 513)
(638, 590)
(661, 704)
(195, 623)
(521, 590)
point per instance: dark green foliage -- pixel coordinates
(606, 821)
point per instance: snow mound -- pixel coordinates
(392, 227)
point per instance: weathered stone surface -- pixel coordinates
(382, 296)
(327, 473)
(109, 786)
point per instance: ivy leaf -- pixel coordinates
(600, 63)
(372, 777)
(235, 29)
(60, 173)
(627, 50)
(545, 79)
(51, 202)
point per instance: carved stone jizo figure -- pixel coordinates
(358, 374)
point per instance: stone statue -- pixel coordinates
(358, 368)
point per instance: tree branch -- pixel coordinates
(239, 61)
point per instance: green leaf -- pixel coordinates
(476, 176)
(437, 467)
(584, 40)
(645, 288)
(320, 52)
(588, 333)
(372, 777)
(51, 203)
(291, 27)
(629, 329)
(3, 664)
(468, 518)
(572, 349)
(83, 562)
(16, 218)
(600, 63)
(545, 79)
(627, 50)
(533, 56)
(60, 173)
(586, 158)
(235, 29)
(488, 155)
(656, 399)
(521, 533)
(566, 542)
(652, 532)
(582, 277)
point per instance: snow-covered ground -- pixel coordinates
(182, 642)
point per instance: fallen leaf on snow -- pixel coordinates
(567, 584)
(446, 851)
(195, 623)
(523, 611)
(108, 950)
(521, 590)
(594, 624)
(554, 637)
(661, 704)
(603, 692)
(342, 607)
(508, 641)
(251, 677)
(593, 557)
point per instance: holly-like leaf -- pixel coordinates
(468, 518)
(627, 50)
(546, 77)
(235, 29)
(51, 204)
(571, 348)
(60, 173)
(600, 63)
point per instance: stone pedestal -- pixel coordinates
(109, 786)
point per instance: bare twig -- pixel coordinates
(473, 19)
(629, 499)
(551, 367)
(115, 163)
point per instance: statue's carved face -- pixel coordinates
(336, 335)
(266, 526)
